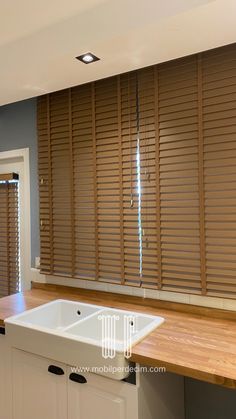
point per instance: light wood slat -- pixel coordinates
(72, 189)
(8, 176)
(9, 231)
(61, 209)
(201, 177)
(110, 228)
(84, 182)
(219, 80)
(93, 98)
(43, 138)
(121, 182)
(48, 162)
(179, 272)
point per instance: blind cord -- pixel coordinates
(139, 188)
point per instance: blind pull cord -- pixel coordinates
(138, 174)
(131, 201)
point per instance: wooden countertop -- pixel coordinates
(193, 341)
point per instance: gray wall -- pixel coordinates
(18, 130)
(208, 401)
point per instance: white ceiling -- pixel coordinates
(39, 40)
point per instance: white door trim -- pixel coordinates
(22, 155)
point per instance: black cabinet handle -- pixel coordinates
(2, 331)
(77, 378)
(53, 369)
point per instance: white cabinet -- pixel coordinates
(46, 389)
(101, 398)
(154, 396)
(37, 393)
(41, 394)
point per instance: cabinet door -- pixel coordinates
(37, 393)
(101, 398)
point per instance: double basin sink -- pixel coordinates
(91, 337)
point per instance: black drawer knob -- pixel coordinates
(77, 378)
(53, 369)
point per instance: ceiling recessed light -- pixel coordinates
(87, 58)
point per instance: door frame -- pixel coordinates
(21, 155)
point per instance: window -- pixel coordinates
(9, 227)
(137, 177)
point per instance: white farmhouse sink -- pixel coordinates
(128, 328)
(56, 315)
(87, 336)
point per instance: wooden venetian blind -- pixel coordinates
(178, 128)
(84, 219)
(219, 159)
(9, 233)
(137, 177)
(87, 168)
